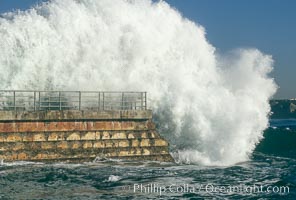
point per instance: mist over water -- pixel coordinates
(212, 108)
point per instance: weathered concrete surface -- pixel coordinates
(65, 115)
(80, 135)
(21, 127)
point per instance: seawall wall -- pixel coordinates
(80, 135)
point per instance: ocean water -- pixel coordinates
(272, 165)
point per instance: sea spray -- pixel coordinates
(212, 108)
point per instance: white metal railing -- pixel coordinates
(71, 100)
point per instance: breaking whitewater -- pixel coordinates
(213, 109)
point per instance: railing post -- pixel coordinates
(39, 99)
(103, 100)
(48, 102)
(99, 102)
(60, 103)
(34, 101)
(145, 100)
(141, 100)
(79, 100)
(122, 97)
(14, 101)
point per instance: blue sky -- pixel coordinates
(269, 25)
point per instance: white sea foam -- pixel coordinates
(19, 163)
(113, 178)
(212, 108)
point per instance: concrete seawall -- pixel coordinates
(73, 135)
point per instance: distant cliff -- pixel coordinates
(283, 109)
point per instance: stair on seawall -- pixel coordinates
(80, 135)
